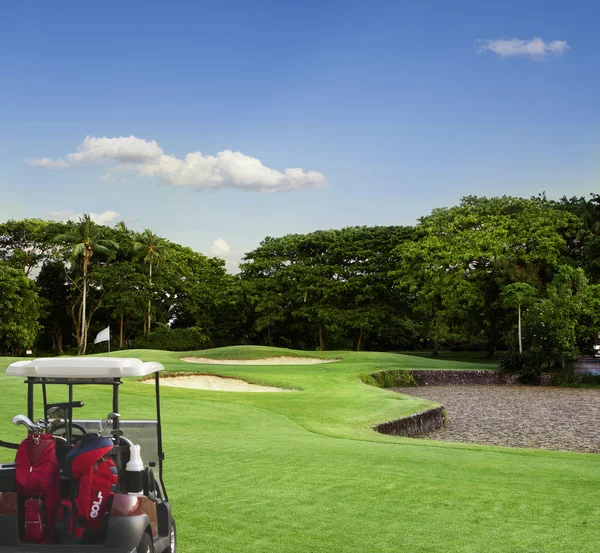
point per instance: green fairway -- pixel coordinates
(304, 471)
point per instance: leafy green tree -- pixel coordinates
(334, 283)
(26, 244)
(462, 257)
(125, 295)
(568, 316)
(54, 288)
(153, 250)
(518, 294)
(194, 289)
(19, 310)
(585, 248)
(83, 241)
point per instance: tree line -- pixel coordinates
(489, 273)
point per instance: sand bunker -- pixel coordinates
(265, 361)
(216, 383)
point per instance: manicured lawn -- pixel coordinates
(304, 472)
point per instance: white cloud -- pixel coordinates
(99, 218)
(231, 169)
(104, 217)
(219, 248)
(124, 149)
(63, 215)
(535, 48)
(48, 163)
(233, 257)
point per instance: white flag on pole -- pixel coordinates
(103, 336)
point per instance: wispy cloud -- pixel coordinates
(535, 48)
(48, 163)
(100, 218)
(145, 158)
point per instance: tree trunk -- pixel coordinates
(359, 339)
(121, 336)
(59, 339)
(82, 332)
(491, 344)
(76, 318)
(321, 338)
(436, 351)
(520, 335)
(150, 303)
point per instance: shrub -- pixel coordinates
(527, 365)
(568, 378)
(390, 379)
(174, 339)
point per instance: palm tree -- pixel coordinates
(82, 243)
(152, 250)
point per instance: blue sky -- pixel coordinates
(389, 108)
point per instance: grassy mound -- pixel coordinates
(301, 472)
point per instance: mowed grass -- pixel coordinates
(304, 472)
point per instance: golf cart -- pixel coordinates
(82, 485)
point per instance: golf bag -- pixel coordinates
(38, 481)
(94, 479)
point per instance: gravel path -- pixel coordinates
(517, 416)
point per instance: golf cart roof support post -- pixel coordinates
(115, 402)
(161, 455)
(70, 415)
(45, 398)
(30, 398)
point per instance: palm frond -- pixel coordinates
(67, 238)
(108, 252)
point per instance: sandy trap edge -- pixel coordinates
(213, 382)
(264, 361)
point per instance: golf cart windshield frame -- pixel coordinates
(115, 382)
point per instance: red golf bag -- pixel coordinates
(38, 481)
(94, 480)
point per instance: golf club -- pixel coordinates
(25, 421)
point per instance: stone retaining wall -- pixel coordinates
(461, 377)
(414, 425)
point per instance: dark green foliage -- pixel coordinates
(527, 365)
(328, 289)
(174, 339)
(390, 379)
(568, 378)
(54, 288)
(20, 308)
(465, 277)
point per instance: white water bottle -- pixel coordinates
(134, 470)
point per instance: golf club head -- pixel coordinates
(41, 423)
(25, 421)
(53, 425)
(113, 416)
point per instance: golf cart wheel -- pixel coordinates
(173, 539)
(145, 545)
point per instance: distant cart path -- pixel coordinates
(518, 416)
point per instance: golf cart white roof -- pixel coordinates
(83, 367)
